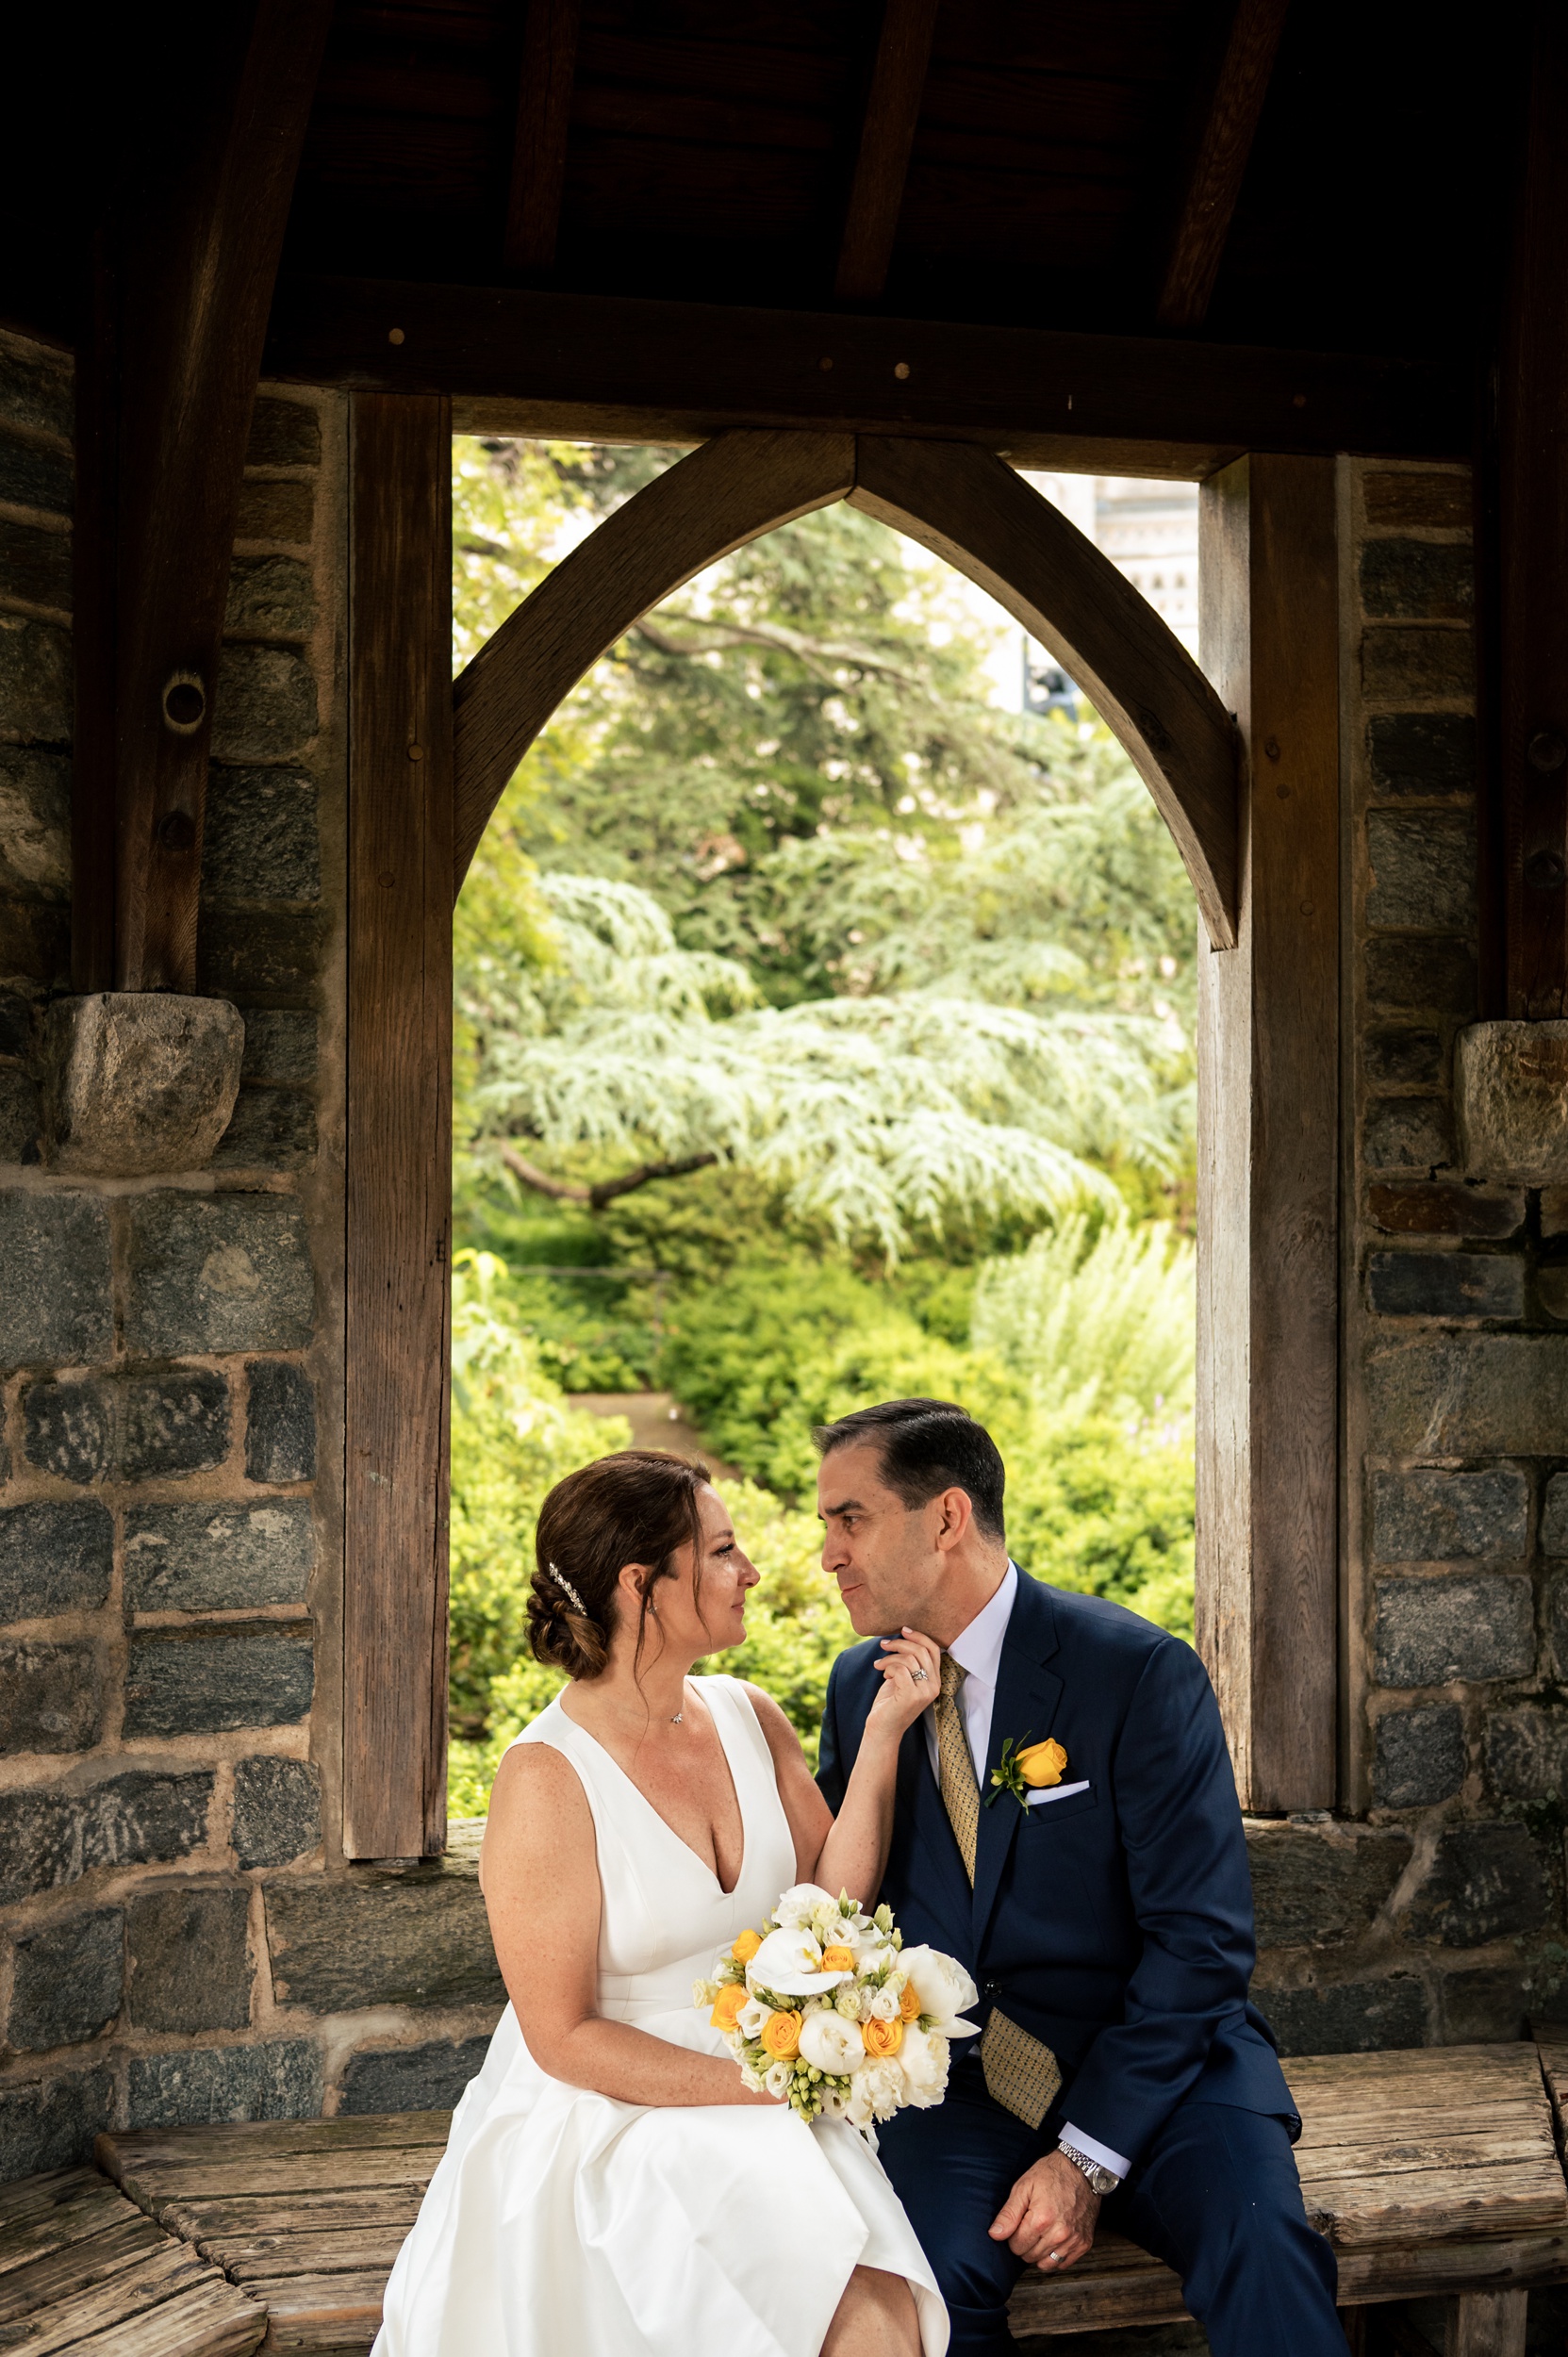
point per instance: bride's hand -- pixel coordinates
(911, 1667)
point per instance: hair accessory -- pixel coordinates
(568, 1591)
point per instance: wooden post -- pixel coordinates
(1487, 2324)
(1268, 1121)
(399, 1147)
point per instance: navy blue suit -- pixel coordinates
(1114, 1924)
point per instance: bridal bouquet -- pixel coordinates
(827, 2007)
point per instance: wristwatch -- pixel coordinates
(1101, 2181)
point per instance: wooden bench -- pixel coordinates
(1434, 2172)
(84, 2269)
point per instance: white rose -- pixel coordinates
(798, 1905)
(875, 1955)
(923, 2058)
(944, 1989)
(778, 2078)
(879, 2005)
(749, 2020)
(831, 2044)
(847, 2003)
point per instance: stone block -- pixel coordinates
(280, 1423)
(1510, 1082)
(277, 1810)
(280, 1046)
(218, 1273)
(138, 1081)
(51, 1696)
(1420, 663)
(1403, 1060)
(1444, 1207)
(1431, 581)
(56, 1300)
(69, 1983)
(277, 511)
(34, 475)
(35, 936)
(49, 1839)
(1417, 498)
(1469, 1395)
(1432, 1516)
(50, 2123)
(16, 1023)
(1407, 1133)
(35, 817)
(1314, 1886)
(272, 1130)
(35, 680)
(1426, 753)
(260, 844)
(217, 1557)
(1346, 2016)
(204, 1683)
(1425, 974)
(269, 597)
(1422, 870)
(1554, 1212)
(265, 708)
(281, 2080)
(68, 1429)
(173, 1424)
(1483, 2006)
(36, 392)
(261, 950)
(1554, 1516)
(1551, 1289)
(283, 434)
(342, 1942)
(54, 1556)
(20, 1117)
(411, 2078)
(1445, 1284)
(1429, 1631)
(1555, 1602)
(1527, 1752)
(35, 563)
(1485, 1881)
(1420, 1756)
(189, 1957)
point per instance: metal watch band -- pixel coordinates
(1100, 2179)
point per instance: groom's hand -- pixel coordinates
(1047, 2219)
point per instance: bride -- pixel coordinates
(611, 2189)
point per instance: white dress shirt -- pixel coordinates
(978, 1653)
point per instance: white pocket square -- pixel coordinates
(1055, 1792)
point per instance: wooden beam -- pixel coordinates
(519, 360)
(1268, 1150)
(1212, 183)
(1532, 525)
(887, 137)
(185, 287)
(398, 1129)
(731, 491)
(972, 510)
(540, 139)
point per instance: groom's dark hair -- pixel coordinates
(926, 1446)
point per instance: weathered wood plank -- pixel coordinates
(1488, 2324)
(40, 2214)
(218, 2225)
(330, 2252)
(1226, 126)
(539, 137)
(80, 2266)
(398, 1147)
(1437, 2204)
(887, 137)
(167, 2300)
(1479, 2148)
(321, 2311)
(270, 2138)
(196, 2181)
(211, 2319)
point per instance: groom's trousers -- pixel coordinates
(1217, 2196)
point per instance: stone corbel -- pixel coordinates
(1511, 1086)
(138, 1082)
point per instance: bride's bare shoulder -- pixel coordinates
(536, 1804)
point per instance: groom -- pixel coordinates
(1121, 2071)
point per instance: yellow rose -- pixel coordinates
(883, 2038)
(745, 1946)
(1043, 1763)
(909, 2005)
(728, 2006)
(838, 1959)
(781, 2035)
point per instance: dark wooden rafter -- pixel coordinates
(1226, 122)
(1532, 524)
(886, 139)
(185, 285)
(540, 140)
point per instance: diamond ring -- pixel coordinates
(917, 1677)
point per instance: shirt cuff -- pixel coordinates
(1118, 2163)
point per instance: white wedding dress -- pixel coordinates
(562, 2223)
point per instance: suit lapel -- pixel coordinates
(1028, 1695)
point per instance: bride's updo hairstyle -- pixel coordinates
(637, 1507)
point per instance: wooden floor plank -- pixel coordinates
(81, 2266)
(50, 2225)
(308, 2255)
(209, 2319)
(322, 2311)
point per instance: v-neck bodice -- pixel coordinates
(664, 1914)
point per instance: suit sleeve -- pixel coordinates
(1192, 1894)
(832, 1775)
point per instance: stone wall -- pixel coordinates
(178, 1940)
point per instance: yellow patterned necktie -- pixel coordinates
(1021, 2074)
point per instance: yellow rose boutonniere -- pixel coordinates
(728, 2005)
(745, 1945)
(882, 2038)
(1024, 1766)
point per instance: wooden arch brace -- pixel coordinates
(953, 498)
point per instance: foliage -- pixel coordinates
(1107, 1322)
